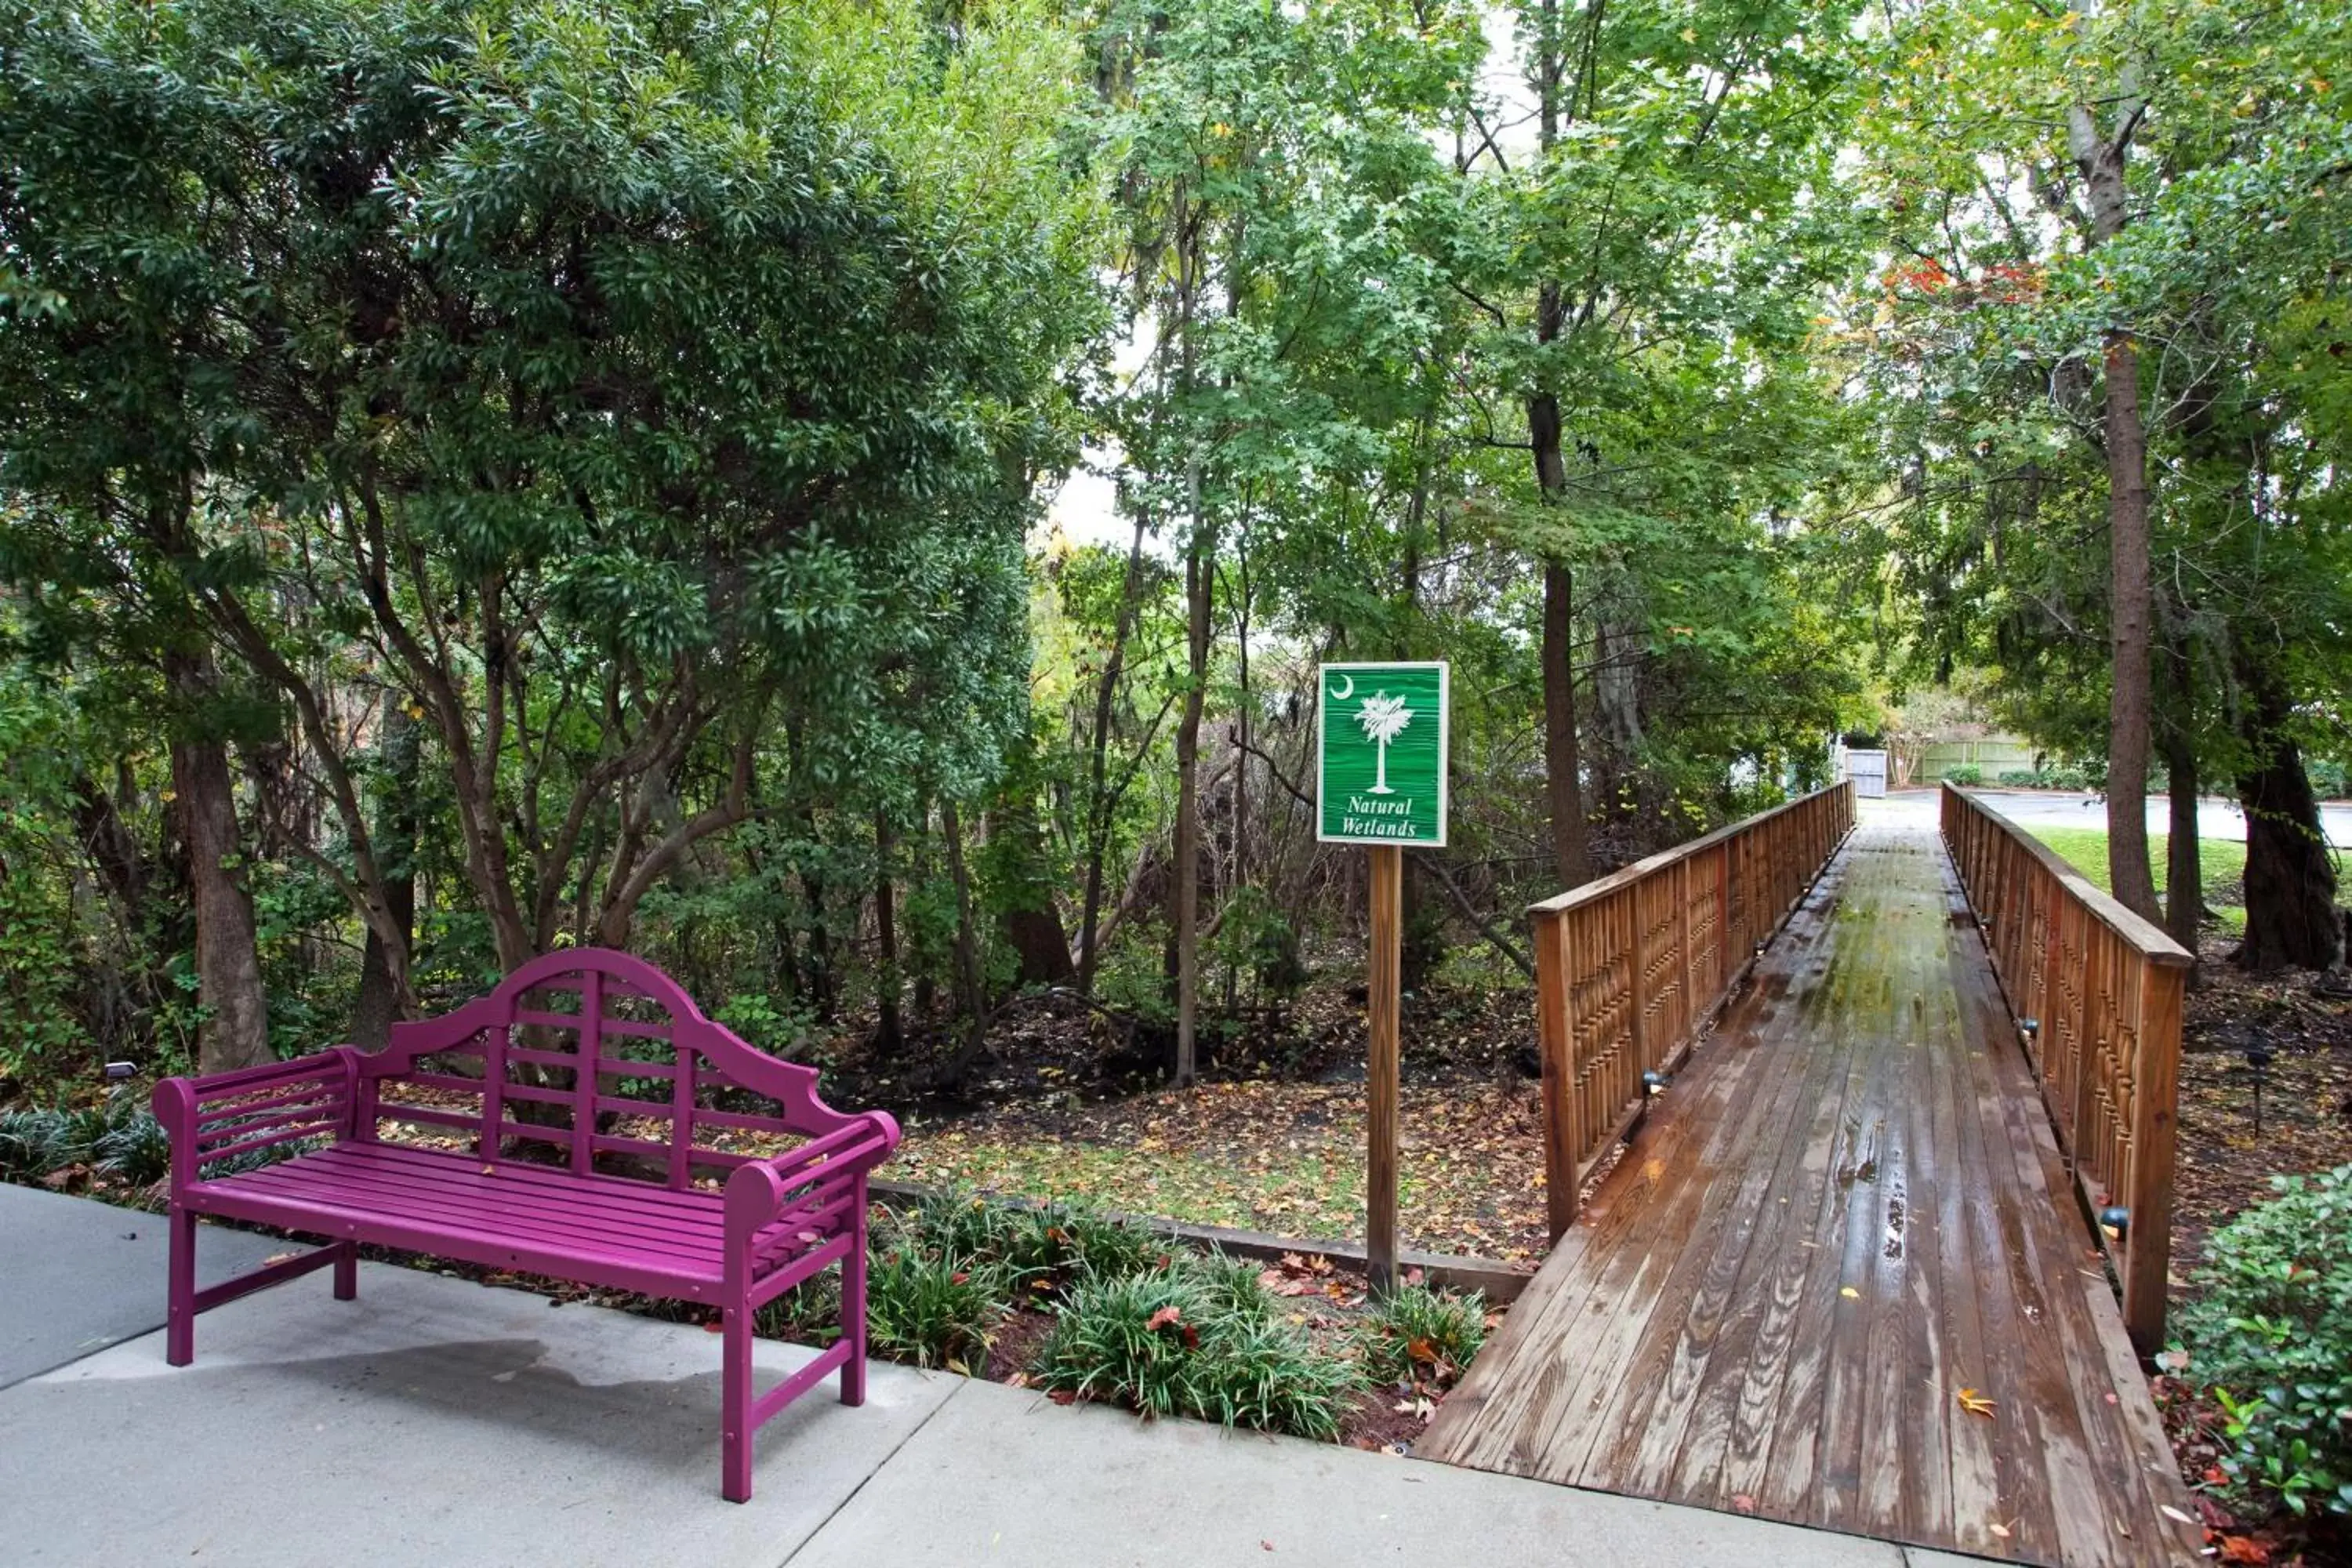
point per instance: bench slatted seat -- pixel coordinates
(643, 1100)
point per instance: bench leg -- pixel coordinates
(853, 1313)
(180, 1291)
(347, 1271)
(735, 1408)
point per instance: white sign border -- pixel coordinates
(1444, 668)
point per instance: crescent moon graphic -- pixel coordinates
(1345, 688)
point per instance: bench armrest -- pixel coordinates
(227, 1114)
(762, 1190)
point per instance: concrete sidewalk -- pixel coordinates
(437, 1422)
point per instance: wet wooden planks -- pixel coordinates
(1849, 1208)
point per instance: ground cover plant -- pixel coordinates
(2267, 1337)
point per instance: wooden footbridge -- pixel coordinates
(1831, 1110)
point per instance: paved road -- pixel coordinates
(437, 1422)
(2216, 818)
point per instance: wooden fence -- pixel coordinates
(2096, 992)
(1629, 969)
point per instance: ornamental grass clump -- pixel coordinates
(931, 1308)
(28, 1144)
(2270, 1336)
(1417, 1332)
(1180, 1340)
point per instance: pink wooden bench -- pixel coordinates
(604, 1058)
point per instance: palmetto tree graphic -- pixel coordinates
(1383, 718)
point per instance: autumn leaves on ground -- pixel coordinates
(1285, 1158)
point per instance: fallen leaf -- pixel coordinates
(2171, 1512)
(1744, 1502)
(2244, 1549)
(1166, 1318)
(1850, 1293)
(1999, 1530)
(1976, 1404)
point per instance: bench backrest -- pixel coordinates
(597, 1053)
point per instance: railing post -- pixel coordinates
(2147, 1198)
(1555, 1037)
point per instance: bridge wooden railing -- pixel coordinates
(1630, 967)
(2096, 992)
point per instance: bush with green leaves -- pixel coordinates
(28, 1144)
(2270, 1334)
(1966, 776)
(1417, 1327)
(1051, 1244)
(1182, 1341)
(135, 1149)
(931, 1308)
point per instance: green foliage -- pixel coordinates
(1418, 1329)
(28, 1144)
(1966, 776)
(1051, 1244)
(2269, 1332)
(135, 1149)
(1180, 1340)
(930, 1308)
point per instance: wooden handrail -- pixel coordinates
(2097, 992)
(1630, 967)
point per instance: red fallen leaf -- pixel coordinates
(1063, 1397)
(714, 1328)
(2244, 1549)
(1743, 1503)
(960, 1278)
(1166, 1318)
(1422, 1350)
(1192, 1337)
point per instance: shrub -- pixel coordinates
(1417, 1327)
(808, 1313)
(931, 1308)
(1173, 1342)
(28, 1144)
(2270, 1333)
(136, 1149)
(1967, 775)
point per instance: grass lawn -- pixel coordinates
(2223, 860)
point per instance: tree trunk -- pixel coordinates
(2184, 871)
(235, 1030)
(1571, 845)
(888, 1034)
(1099, 804)
(1187, 807)
(2291, 919)
(384, 973)
(969, 979)
(2130, 594)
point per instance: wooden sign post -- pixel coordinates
(1381, 781)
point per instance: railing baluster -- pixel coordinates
(1630, 967)
(2104, 988)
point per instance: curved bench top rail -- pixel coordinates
(725, 1055)
(2147, 937)
(1626, 875)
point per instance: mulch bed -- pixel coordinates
(2224, 1164)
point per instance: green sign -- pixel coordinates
(1381, 767)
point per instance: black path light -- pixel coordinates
(2258, 1062)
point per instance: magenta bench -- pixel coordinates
(601, 1058)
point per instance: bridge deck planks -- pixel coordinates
(1862, 1119)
